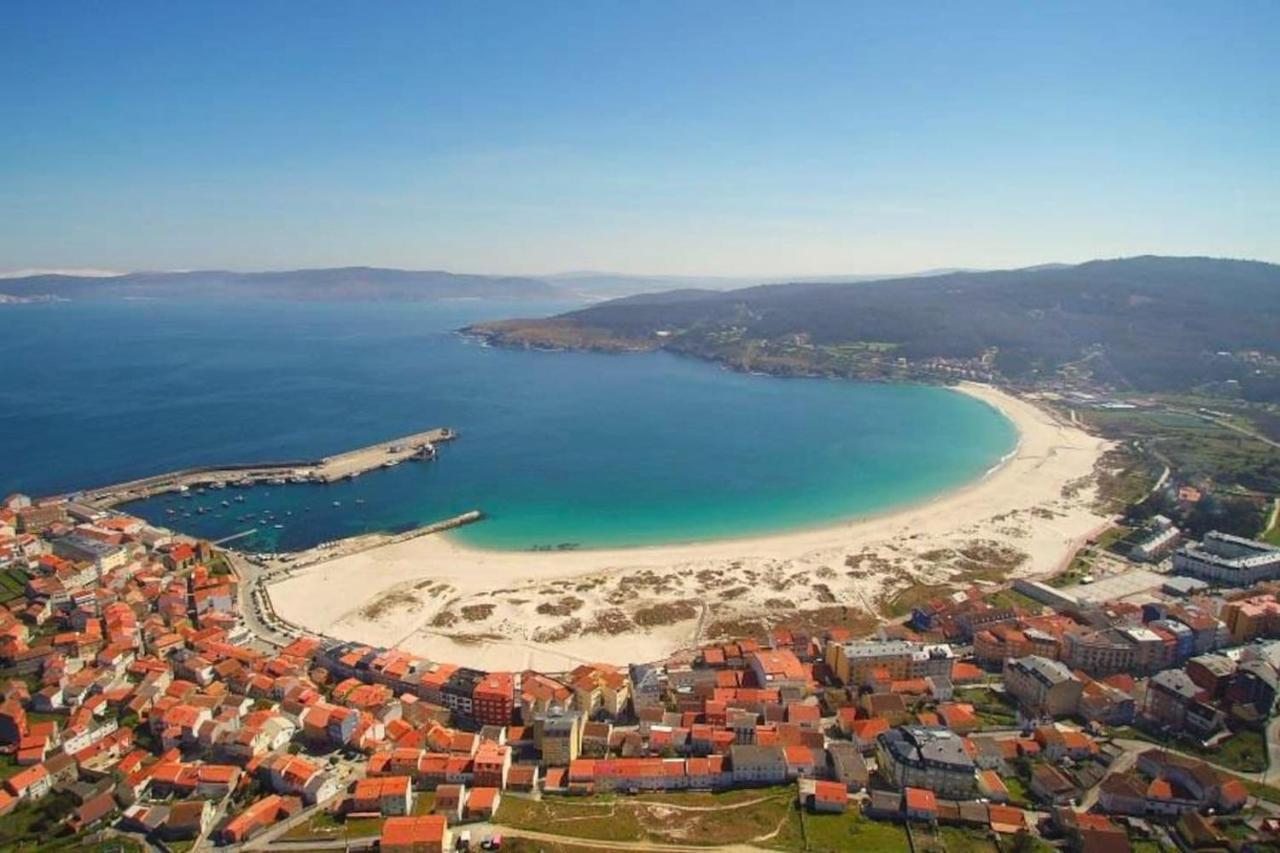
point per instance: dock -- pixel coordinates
(329, 469)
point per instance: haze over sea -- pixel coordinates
(557, 448)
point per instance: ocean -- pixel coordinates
(558, 449)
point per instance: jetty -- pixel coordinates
(329, 469)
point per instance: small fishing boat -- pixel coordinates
(337, 503)
(239, 499)
(226, 503)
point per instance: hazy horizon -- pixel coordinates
(716, 139)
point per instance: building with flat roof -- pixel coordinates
(1253, 617)
(854, 662)
(1229, 560)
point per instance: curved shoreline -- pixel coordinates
(406, 594)
(971, 389)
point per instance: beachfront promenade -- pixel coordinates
(328, 469)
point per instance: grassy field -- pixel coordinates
(511, 844)
(1018, 793)
(13, 584)
(902, 602)
(1245, 751)
(966, 840)
(736, 817)
(852, 831)
(1194, 447)
(1015, 599)
(1270, 793)
(38, 824)
(325, 826)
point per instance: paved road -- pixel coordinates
(250, 578)
(1272, 774)
(1127, 759)
(1137, 745)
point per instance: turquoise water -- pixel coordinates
(557, 449)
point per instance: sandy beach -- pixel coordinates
(553, 610)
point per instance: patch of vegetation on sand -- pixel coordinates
(895, 603)
(477, 612)
(389, 601)
(667, 613)
(563, 606)
(558, 633)
(444, 619)
(611, 621)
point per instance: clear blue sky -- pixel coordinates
(685, 137)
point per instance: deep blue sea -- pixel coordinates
(556, 448)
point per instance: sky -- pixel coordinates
(696, 137)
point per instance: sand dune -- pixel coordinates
(551, 610)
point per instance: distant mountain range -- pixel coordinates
(345, 283)
(360, 283)
(1146, 323)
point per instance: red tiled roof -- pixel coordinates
(921, 800)
(408, 831)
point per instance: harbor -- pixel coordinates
(329, 469)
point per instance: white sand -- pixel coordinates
(1033, 509)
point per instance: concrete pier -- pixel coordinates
(352, 463)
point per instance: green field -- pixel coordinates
(13, 583)
(734, 817)
(852, 831)
(1245, 751)
(1194, 447)
(323, 825)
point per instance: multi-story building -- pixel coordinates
(1042, 686)
(600, 687)
(540, 693)
(1253, 617)
(1156, 541)
(494, 699)
(1174, 700)
(558, 735)
(778, 668)
(103, 556)
(387, 795)
(854, 663)
(758, 765)
(1099, 652)
(928, 757)
(1228, 560)
(1149, 651)
(458, 689)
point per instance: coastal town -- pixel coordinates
(151, 700)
